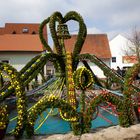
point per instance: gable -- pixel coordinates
(95, 44)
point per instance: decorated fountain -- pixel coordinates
(70, 97)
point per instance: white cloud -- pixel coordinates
(111, 34)
(94, 30)
(108, 16)
(125, 18)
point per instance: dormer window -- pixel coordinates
(25, 30)
(14, 32)
(33, 32)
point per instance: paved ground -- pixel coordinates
(111, 133)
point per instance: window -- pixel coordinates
(113, 59)
(49, 72)
(5, 61)
(25, 30)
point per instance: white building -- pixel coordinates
(118, 46)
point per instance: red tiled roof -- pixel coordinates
(96, 44)
(129, 59)
(18, 42)
(2, 30)
(18, 28)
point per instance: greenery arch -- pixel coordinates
(16, 83)
(83, 78)
(56, 17)
(108, 72)
(66, 63)
(32, 69)
(104, 97)
(42, 25)
(131, 93)
(72, 15)
(49, 102)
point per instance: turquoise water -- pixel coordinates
(100, 122)
(54, 124)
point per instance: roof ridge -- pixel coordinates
(91, 34)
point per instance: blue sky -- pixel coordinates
(101, 16)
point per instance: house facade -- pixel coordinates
(119, 46)
(19, 43)
(95, 44)
(18, 50)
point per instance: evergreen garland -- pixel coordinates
(56, 17)
(48, 101)
(16, 83)
(83, 79)
(45, 44)
(115, 77)
(130, 92)
(72, 15)
(104, 97)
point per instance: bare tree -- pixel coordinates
(134, 44)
